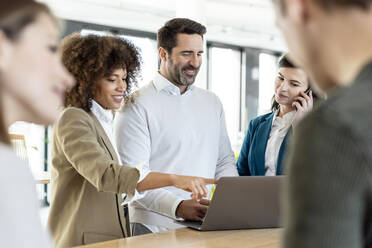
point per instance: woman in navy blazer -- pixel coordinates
(289, 100)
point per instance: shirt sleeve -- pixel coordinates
(226, 159)
(324, 195)
(134, 147)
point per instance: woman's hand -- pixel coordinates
(195, 185)
(303, 108)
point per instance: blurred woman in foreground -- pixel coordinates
(32, 86)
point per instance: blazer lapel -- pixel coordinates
(104, 138)
(263, 134)
(279, 168)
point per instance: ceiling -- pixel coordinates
(248, 23)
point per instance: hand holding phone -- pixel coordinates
(303, 104)
(307, 92)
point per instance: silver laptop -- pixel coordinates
(242, 203)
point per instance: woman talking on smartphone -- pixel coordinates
(265, 142)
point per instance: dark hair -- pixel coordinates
(92, 57)
(15, 15)
(283, 62)
(167, 35)
(329, 4)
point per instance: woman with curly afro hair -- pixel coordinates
(87, 176)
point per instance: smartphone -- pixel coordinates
(307, 93)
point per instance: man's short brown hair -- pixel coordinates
(167, 35)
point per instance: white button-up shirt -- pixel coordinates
(106, 119)
(173, 133)
(279, 129)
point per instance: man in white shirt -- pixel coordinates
(174, 127)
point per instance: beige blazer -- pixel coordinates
(87, 181)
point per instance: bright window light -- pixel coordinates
(267, 73)
(225, 82)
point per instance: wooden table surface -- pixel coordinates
(188, 238)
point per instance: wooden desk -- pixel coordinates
(188, 238)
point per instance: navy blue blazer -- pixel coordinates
(251, 161)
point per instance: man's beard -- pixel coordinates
(179, 76)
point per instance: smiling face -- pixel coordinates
(289, 83)
(183, 64)
(111, 88)
(32, 76)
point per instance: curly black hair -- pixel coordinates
(92, 57)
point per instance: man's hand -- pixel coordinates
(192, 209)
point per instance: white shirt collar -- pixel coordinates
(163, 84)
(102, 114)
(285, 119)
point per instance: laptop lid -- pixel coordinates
(243, 203)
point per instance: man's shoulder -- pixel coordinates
(143, 96)
(347, 109)
(145, 92)
(347, 105)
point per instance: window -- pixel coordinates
(267, 73)
(149, 53)
(225, 81)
